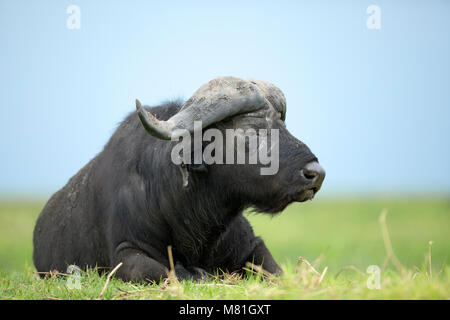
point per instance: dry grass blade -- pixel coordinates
(214, 285)
(257, 269)
(430, 243)
(53, 273)
(171, 275)
(169, 252)
(351, 267)
(303, 260)
(323, 274)
(137, 292)
(387, 244)
(108, 279)
(319, 259)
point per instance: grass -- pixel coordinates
(341, 238)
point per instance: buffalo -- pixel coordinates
(132, 201)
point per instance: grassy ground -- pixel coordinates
(340, 238)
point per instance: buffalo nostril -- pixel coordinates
(310, 174)
(314, 172)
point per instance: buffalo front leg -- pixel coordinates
(240, 245)
(138, 266)
(261, 256)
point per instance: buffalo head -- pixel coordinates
(248, 109)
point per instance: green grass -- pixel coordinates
(344, 234)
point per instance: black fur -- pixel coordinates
(128, 204)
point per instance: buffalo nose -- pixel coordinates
(314, 173)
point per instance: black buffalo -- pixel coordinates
(131, 202)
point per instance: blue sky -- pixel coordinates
(373, 105)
